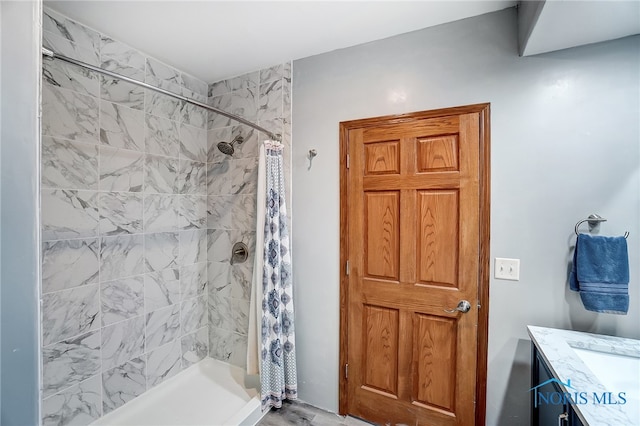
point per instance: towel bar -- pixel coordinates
(594, 220)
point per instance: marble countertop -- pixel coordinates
(557, 348)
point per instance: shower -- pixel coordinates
(227, 148)
(101, 358)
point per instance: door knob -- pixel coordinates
(463, 306)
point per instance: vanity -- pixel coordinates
(583, 379)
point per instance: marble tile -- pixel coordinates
(287, 70)
(225, 280)
(193, 314)
(69, 164)
(219, 280)
(275, 72)
(69, 214)
(75, 406)
(195, 346)
(219, 244)
(122, 299)
(121, 92)
(192, 212)
(192, 178)
(219, 211)
(229, 314)
(121, 256)
(244, 176)
(195, 85)
(250, 148)
(162, 136)
(62, 26)
(161, 251)
(270, 100)
(120, 170)
(245, 81)
(161, 289)
(66, 47)
(70, 362)
(68, 313)
(188, 93)
(160, 174)
(220, 177)
(228, 346)
(241, 102)
(193, 280)
(162, 105)
(163, 326)
(70, 115)
(242, 277)
(163, 363)
(286, 99)
(69, 263)
(120, 213)
(157, 72)
(193, 143)
(194, 115)
(121, 127)
(243, 212)
(274, 125)
(122, 53)
(160, 213)
(193, 246)
(122, 342)
(121, 384)
(68, 76)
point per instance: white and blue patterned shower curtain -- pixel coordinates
(277, 356)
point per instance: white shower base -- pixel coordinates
(209, 393)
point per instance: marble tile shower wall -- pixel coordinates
(124, 226)
(263, 97)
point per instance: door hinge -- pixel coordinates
(346, 268)
(348, 161)
(346, 371)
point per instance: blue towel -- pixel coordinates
(600, 273)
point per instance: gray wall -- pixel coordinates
(565, 143)
(20, 87)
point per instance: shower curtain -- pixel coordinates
(271, 349)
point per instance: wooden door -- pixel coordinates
(415, 235)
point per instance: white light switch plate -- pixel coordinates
(507, 269)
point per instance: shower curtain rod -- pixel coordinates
(53, 55)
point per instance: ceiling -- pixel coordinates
(564, 24)
(214, 40)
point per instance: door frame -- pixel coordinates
(483, 110)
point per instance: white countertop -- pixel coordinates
(557, 348)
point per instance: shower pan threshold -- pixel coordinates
(208, 393)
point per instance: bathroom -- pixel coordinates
(565, 143)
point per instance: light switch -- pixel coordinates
(507, 269)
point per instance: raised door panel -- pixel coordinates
(434, 375)
(382, 158)
(380, 354)
(382, 233)
(438, 153)
(438, 237)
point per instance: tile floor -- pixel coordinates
(299, 413)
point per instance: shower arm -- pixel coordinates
(53, 55)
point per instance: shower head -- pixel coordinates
(227, 148)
